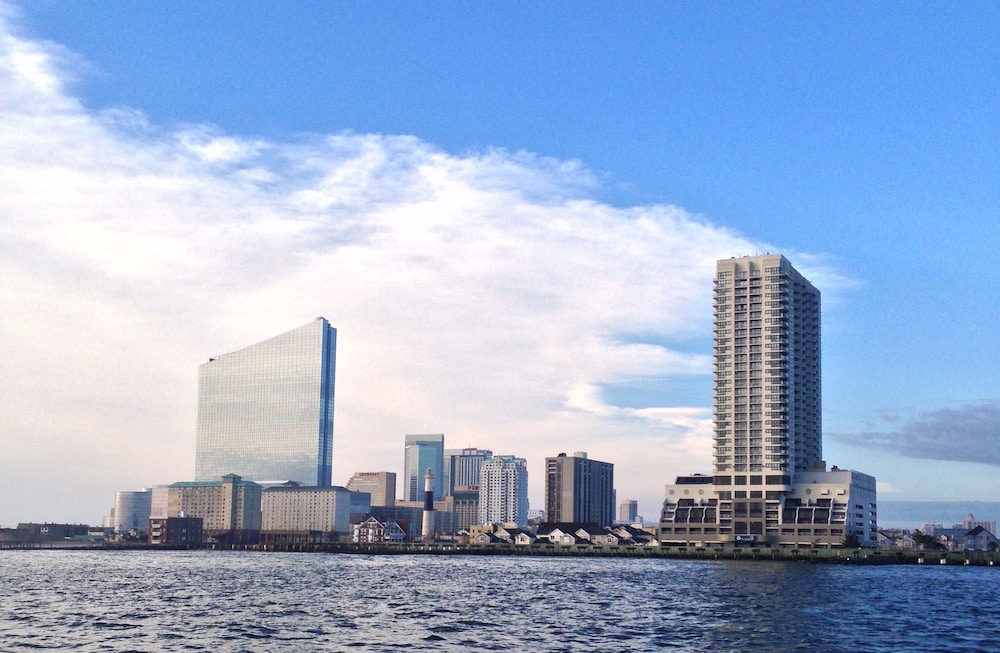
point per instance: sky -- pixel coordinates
(511, 213)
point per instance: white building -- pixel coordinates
(229, 505)
(503, 491)
(770, 482)
(306, 508)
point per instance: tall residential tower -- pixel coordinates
(770, 481)
(266, 412)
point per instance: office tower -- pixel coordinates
(423, 452)
(266, 412)
(578, 489)
(628, 510)
(380, 485)
(132, 510)
(503, 491)
(463, 467)
(770, 481)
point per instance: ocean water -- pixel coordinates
(243, 601)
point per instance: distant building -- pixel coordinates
(628, 510)
(503, 491)
(380, 485)
(299, 508)
(158, 501)
(229, 507)
(970, 522)
(176, 530)
(579, 489)
(131, 512)
(464, 467)
(423, 452)
(266, 412)
(770, 483)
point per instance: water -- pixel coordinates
(257, 602)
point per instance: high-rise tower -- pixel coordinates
(579, 489)
(769, 481)
(423, 452)
(767, 369)
(266, 412)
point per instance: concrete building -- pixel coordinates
(229, 508)
(131, 512)
(770, 482)
(158, 502)
(423, 452)
(464, 467)
(503, 491)
(380, 485)
(266, 412)
(628, 510)
(176, 530)
(299, 508)
(579, 489)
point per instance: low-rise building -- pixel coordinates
(229, 508)
(301, 508)
(176, 530)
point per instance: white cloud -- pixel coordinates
(486, 296)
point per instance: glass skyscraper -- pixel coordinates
(266, 412)
(423, 452)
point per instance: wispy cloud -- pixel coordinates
(969, 433)
(486, 295)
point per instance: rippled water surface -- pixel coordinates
(214, 601)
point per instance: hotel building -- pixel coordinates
(769, 482)
(579, 489)
(266, 412)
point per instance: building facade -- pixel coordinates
(769, 482)
(380, 485)
(175, 530)
(503, 491)
(227, 506)
(266, 412)
(628, 511)
(298, 508)
(464, 468)
(423, 452)
(579, 489)
(131, 511)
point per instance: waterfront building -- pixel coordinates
(579, 489)
(628, 510)
(265, 412)
(503, 491)
(770, 482)
(176, 530)
(229, 507)
(299, 508)
(131, 512)
(423, 452)
(380, 485)
(373, 530)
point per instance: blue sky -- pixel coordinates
(546, 185)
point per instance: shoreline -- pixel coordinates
(772, 554)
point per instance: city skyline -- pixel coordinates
(513, 221)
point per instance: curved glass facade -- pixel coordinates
(266, 412)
